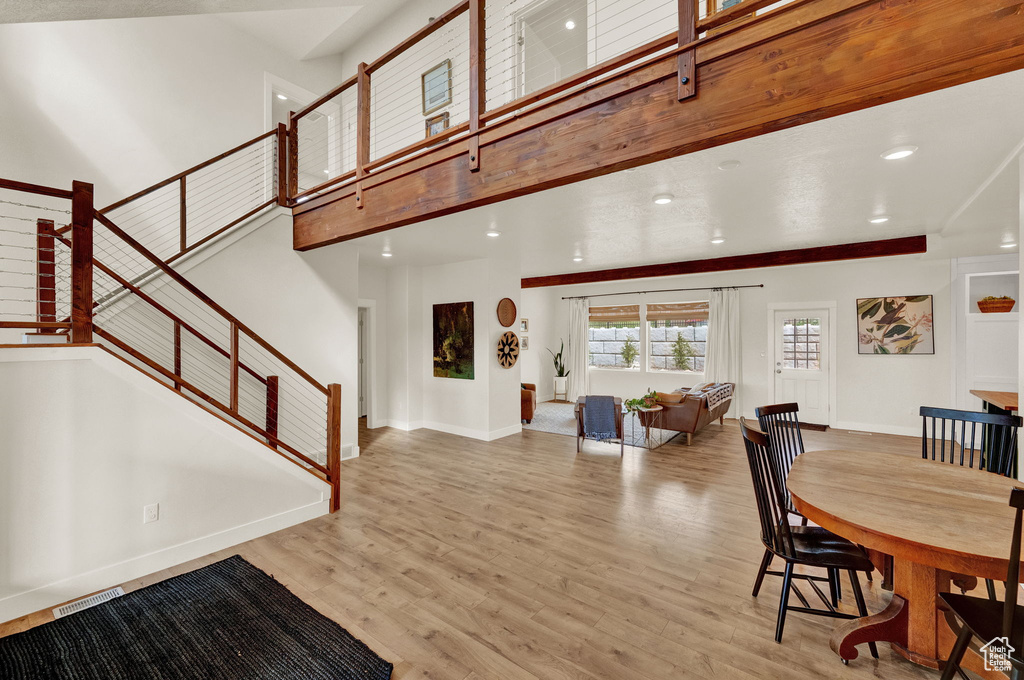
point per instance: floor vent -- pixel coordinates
(85, 603)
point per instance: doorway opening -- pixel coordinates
(803, 363)
(552, 43)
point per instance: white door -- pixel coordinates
(362, 357)
(802, 362)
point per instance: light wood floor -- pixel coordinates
(518, 559)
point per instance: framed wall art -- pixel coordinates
(437, 87)
(453, 340)
(895, 325)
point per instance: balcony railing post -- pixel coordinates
(363, 129)
(293, 155)
(687, 64)
(273, 389)
(282, 164)
(82, 211)
(182, 218)
(477, 78)
(46, 275)
(177, 354)
(234, 367)
(334, 444)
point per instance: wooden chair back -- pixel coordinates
(1013, 571)
(983, 441)
(780, 423)
(769, 491)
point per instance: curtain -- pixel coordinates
(579, 348)
(722, 362)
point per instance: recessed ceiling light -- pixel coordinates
(899, 152)
(728, 165)
(880, 219)
(1008, 245)
(327, 172)
(717, 240)
(494, 233)
(281, 96)
(570, 24)
(386, 253)
(663, 199)
(577, 259)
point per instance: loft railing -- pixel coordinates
(90, 278)
(481, 62)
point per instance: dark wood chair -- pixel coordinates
(983, 441)
(987, 619)
(780, 423)
(581, 435)
(798, 545)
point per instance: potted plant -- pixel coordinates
(561, 375)
(646, 402)
(991, 303)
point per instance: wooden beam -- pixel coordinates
(786, 68)
(334, 444)
(82, 212)
(477, 78)
(686, 60)
(909, 245)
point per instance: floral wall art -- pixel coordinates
(895, 325)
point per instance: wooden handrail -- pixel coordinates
(175, 178)
(38, 325)
(419, 35)
(34, 189)
(324, 99)
(103, 219)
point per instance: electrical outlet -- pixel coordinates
(150, 513)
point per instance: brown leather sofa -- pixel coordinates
(689, 415)
(527, 401)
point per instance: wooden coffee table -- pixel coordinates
(935, 519)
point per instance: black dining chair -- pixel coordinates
(989, 620)
(798, 545)
(780, 423)
(983, 441)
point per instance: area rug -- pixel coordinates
(558, 418)
(226, 621)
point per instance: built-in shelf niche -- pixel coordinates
(996, 284)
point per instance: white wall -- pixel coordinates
(543, 308)
(125, 103)
(373, 295)
(87, 442)
(874, 393)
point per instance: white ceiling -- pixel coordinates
(816, 184)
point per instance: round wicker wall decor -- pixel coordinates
(506, 312)
(508, 349)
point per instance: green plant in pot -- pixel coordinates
(561, 375)
(648, 401)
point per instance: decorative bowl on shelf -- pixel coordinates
(991, 304)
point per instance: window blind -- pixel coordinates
(677, 311)
(615, 314)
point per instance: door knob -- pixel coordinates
(778, 370)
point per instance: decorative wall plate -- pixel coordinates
(508, 349)
(506, 312)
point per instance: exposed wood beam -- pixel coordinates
(909, 245)
(817, 60)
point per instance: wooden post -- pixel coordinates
(282, 164)
(293, 155)
(46, 275)
(234, 367)
(687, 61)
(334, 444)
(273, 387)
(177, 354)
(182, 218)
(477, 79)
(82, 211)
(363, 129)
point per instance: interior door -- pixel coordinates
(802, 362)
(362, 362)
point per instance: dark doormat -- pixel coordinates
(225, 621)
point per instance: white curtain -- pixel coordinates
(722, 354)
(579, 348)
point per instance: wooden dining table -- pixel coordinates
(935, 519)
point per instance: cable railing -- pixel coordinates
(182, 213)
(481, 62)
(113, 291)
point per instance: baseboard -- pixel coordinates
(903, 430)
(482, 435)
(75, 587)
(349, 451)
(505, 432)
(404, 426)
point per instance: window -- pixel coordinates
(801, 344)
(615, 337)
(677, 336)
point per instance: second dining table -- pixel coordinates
(935, 519)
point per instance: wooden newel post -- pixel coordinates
(46, 275)
(182, 218)
(334, 444)
(177, 354)
(234, 367)
(362, 129)
(477, 78)
(81, 262)
(282, 164)
(687, 61)
(293, 155)
(273, 389)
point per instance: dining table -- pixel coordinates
(935, 520)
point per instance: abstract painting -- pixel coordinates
(453, 340)
(895, 325)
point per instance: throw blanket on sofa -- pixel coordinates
(719, 395)
(599, 418)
